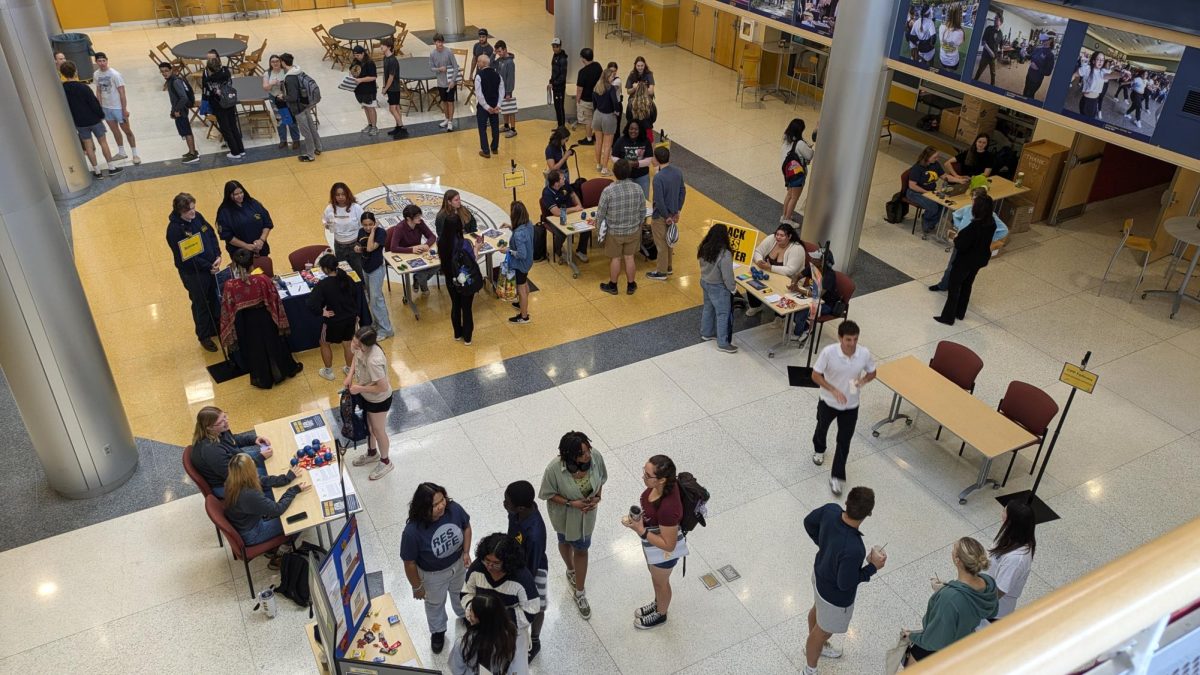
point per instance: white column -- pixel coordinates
(448, 17)
(575, 25)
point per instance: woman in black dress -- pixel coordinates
(253, 322)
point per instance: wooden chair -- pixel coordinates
(216, 513)
(205, 36)
(191, 11)
(258, 118)
(319, 31)
(748, 74)
(806, 74)
(252, 63)
(608, 13)
(400, 36)
(1144, 245)
(168, 55)
(462, 82)
(164, 8)
(352, 19)
(244, 39)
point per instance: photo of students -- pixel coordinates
(819, 16)
(1019, 50)
(937, 33)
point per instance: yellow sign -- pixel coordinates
(514, 179)
(1079, 378)
(742, 241)
(190, 247)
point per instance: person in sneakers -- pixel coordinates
(392, 85)
(506, 66)
(840, 370)
(215, 76)
(585, 83)
(371, 239)
(556, 197)
(837, 570)
(572, 486)
(480, 48)
(342, 218)
(557, 86)
(489, 91)
(197, 272)
(793, 139)
(622, 211)
(520, 255)
(243, 222)
(499, 570)
(182, 99)
(110, 89)
(88, 117)
(273, 79)
(436, 550)
(669, 195)
(302, 112)
(412, 235)
(335, 298)
(368, 380)
(443, 63)
(526, 526)
(663, 543)
(366, 91)
(957, 606)
(606, 97)
(717, 284)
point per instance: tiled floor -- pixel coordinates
(139, 589)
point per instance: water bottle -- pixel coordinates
(562, 218)
(1020, 179)
(266, 602)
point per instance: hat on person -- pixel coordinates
(358, 49)
(556, 42)
(483, 32)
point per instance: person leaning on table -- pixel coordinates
(213, 445)
(782, 254)
(248, 508)
(961, 219)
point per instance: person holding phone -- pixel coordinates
(371, 239)
(436, 550)
(572, 485)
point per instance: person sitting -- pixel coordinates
(962, 218)
(253, 320)
(336, 299)
(977, 160)
(923, 178)
(781, 254)
(557, 197)
(490, 638)
(412, 235)
(248, 508)
(830, 298)
(213, 445)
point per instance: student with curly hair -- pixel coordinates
(499, 570)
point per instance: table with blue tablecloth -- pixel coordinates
(306, 324)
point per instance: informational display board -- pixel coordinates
(343, 580)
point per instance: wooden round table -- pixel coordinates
(198, 49)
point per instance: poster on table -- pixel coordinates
(936, 34)
(1017, 51)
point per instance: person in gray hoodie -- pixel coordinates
(957, 606)
(716, 281)
(508, 72)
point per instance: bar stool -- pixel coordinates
(636, 10)
(608, 13)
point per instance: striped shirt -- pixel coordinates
(623, 207)
(516, 590)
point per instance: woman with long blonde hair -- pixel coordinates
(251, 512)
(957, 606)
(607, 100)
(213, 445)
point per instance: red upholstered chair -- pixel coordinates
(591, 192)
(917, 208)
(264, 263)
(958, 364)
(216, 513)
(809, 249)
(845, 289)
(307, 254)
(1033, 410)
(199, 481)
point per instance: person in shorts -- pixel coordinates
(88, 117)
(572, 485)
(837, 570)
(110, 89)
(366, 91)
(586, 81)
(525, 524)
(335, 298)
(182, 99)
(368, 382)
(391, 86)
(622, 210)
(443, 64)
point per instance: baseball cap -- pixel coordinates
(358, 49)
(556, 41)
(483, 32)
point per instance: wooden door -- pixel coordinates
(1182, 198)
(726, 37)
(705, 32)
(1082, 164)
(688, 11)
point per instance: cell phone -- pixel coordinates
(297, 517)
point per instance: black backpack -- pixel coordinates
(354, 427)
(895, 210)
(293, 573)
(189, 95)
(648, 249)
(695, 502)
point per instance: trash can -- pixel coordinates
(76, 47)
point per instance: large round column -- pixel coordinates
(448, 17)
(50, 17)
(575, 26)
(856, 87)
(49, 349)
(31, 63)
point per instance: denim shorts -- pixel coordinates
(86, 133)
(581, 544)
(114, 115)
(667, 564)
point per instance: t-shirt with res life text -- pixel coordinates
(438, 545)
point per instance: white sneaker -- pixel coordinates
(449, 125)
(835, 485)
(326, 373)
(137, 160)
(120, 155)
(829, 651)
(752, 311)
(1137, 123)
(381, 470)
(581, 603)
(365, 459)
(373, 131)
(345, 370)
(443, 123)
(809, 671)
(366, 129)
(818, 458)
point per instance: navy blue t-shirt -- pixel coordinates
(438, 545)
(531, 534)
(560, 198)
(920, 174)
(373, 260)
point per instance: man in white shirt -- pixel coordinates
(840, 370)
(110, 89)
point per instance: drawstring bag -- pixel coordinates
(506, 284)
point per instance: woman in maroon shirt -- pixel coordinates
(662, 541)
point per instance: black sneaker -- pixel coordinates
(190, 158)
(114, 170)
(610, 288)
(519, 319)
(588, 141)
(648, 609)
(437, 641)
(650, 620)
(535, 646)
(657, 276)
(306, 158)
(631, 288)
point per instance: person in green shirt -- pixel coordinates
(957, 606)
(572, 485)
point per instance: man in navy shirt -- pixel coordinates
(557, 198)
(838, 570)
(525, 524)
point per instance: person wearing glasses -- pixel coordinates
(663, 543)
(499, 570)
(572, 485)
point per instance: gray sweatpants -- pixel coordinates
(308, 132)
(437, 586)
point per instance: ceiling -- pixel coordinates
(1136, 45)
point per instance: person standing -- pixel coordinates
(463, 279)
(296, 87)
(1137, 99)
(110, 89)
(520, 257)
(255, 325)
(489, 91)
(371, 239)
(585, 83)
(499, 570)
(436, 550)
(962, 219)
(88, 118)
(1093, 77)
(669, 195)
(366, 91)
(243, 222)
(273, 85)
(342, 218)
(335, 298)
(958, 606)
(368, 380)
(526, 526)
(1041, 63)
(1011, 557)
(796, 155)
(217, 77)
(557, 86)
(635, 147)
(840, 370)
(441, 62)
(182, 98)
(989, 48)
(663, 542)
(837, 570)
(573, 485)
(197, 257)
(718, 286)
(623, 211)
(391, 86)
(606, 98)
(489, 641)
(950, 38)
(507, 67)
(972, 251)
(480, 48)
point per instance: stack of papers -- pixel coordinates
(296, 286)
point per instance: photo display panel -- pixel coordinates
(936, 34)
(344, 578)
(815, 16)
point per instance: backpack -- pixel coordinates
(793, 164)
(310, 93)
(695, 502)
(354, 428)
(649, 249)
(293, 573)
(189, 95)
(467, 278)
(895, 210)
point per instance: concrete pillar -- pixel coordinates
(575, 25)
(856, 88)
(448, 17)
(50, 17)
(49, 349)
(31, 64)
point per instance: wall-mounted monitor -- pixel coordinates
(1018, 51)
(936, 34)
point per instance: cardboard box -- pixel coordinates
(969, 129)
(1017, 213)
(979, 108)
(949, 122)
(1042, 162)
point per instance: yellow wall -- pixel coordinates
(82, 13)
(662, 21)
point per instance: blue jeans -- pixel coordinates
(265, 530)
(945, 282)
(379, 311)
(483, 118)
(717, 315)
(801, 318)
(933, 210)
(286, 124)
(644, 183)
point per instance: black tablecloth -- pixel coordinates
(306, 324)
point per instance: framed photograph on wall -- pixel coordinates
(746, 30)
